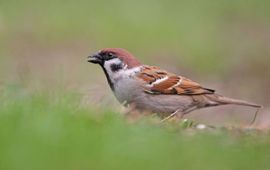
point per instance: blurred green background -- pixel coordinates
(57, 111)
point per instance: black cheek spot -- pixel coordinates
(116, 67)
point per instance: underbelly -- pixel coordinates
(163, 103)
(129, 92)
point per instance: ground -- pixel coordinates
(54, 131)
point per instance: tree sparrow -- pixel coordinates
(151, 89)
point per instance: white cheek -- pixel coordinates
(121, 74)
(114, 76)
(107, 65)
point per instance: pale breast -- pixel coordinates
(126, 89)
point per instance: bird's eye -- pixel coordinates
(110, 54)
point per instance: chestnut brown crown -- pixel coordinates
(110, 53)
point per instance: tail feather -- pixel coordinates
(221, 100)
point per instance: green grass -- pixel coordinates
(52, 130)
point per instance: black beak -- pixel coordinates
(96, 59)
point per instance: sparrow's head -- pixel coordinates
(116, 58)
(113, 62)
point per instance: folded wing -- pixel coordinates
(162, 82)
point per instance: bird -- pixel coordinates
(152, 89)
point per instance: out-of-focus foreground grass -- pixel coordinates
(57, 112)
(53, 131)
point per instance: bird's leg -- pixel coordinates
(125, 103)
(179, 115)
(172, 115)
(190, 109)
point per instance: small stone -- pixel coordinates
(200, 126)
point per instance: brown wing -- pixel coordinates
(161, 82)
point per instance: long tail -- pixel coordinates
(217, 99)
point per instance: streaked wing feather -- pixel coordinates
(161, 82)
